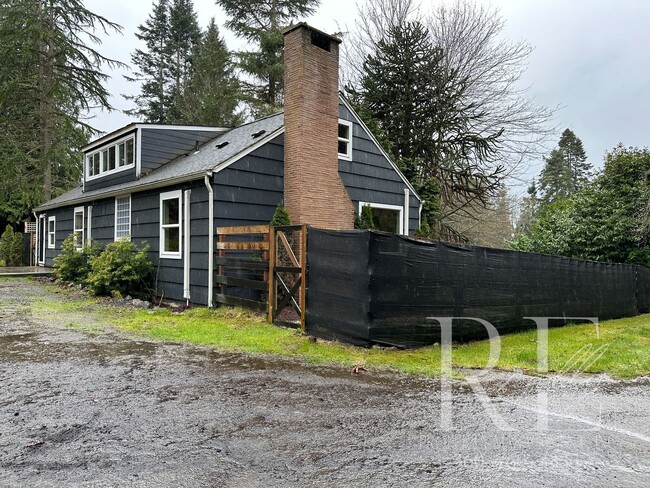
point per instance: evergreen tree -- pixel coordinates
(212, 94)
(575, 158)
(152, 104)
(184, 36)
(604, 220)
(50, 77)
(262, 22)
(555, 180)
(423, 109)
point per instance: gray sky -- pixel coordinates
(591, 57)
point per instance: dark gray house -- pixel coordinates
(171, 186)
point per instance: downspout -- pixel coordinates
(208, 185)
(186, 251)
(407, 209)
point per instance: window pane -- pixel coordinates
(111, 158)
(170, 211)
(96, 163)
(343, 147)
(122, 217)
(78, 221)
(104, 161)
(50, 226)
(386, 219)
(344, 131)
(172, 239)
(121, 155)
(129, 151)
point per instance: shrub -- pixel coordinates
(11, 247)
(424, 231)
(73, 264)
(280, 217)
(121, 268)
(365, 220)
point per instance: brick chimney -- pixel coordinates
(313, 191)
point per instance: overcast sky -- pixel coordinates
(591, 57)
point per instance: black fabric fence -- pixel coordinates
(368, 287)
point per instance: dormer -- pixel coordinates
(137, 149)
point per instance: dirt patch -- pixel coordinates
(104, 409)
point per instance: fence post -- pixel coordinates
(271, 281)
(303, 275)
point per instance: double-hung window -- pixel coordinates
(78, 228)
(123, 217)
(170, 224)
(51, 229)
(345, 139)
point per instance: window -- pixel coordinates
(51, 228)
(170, 224)
(123, 217)
(386, 217)
(78, 227)
(345, 139)
(116, 157)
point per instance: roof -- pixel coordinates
(212, 156)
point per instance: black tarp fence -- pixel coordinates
(368, 287)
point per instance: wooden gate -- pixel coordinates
(243, 266)
(288, 274)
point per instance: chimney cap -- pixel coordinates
(305, 25)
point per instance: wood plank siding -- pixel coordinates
(370, 177)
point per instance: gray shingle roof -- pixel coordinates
(209, 157)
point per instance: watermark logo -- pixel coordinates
(580, 361)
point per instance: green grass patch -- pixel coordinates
(621, 350)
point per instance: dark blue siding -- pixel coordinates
(111, 179)
(248, 191)
(145, 220)
(159, 146)
(370, 177)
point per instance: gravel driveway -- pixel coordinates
(98, 408)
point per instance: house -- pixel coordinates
(171, 186)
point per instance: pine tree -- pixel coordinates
(576, 159)
(212, 94)
(184, 36)
(50, 77)
(262, 22)
(423, 109)
(555, 180)
(152, 104)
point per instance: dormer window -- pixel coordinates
(345, 139)
(111, 159)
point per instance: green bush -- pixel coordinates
(11, 247)
(121, 268)
(424, 231)
(73, 264)
(280, 217)
(365, 220)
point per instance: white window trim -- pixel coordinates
(387, 207)
(127, 237)
(51, 245)
(101, 163)
(171, 195)
(89, 233)
(79, 231)
(350, 125)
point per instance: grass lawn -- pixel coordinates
(622, 349)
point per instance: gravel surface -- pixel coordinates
(84, 405)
